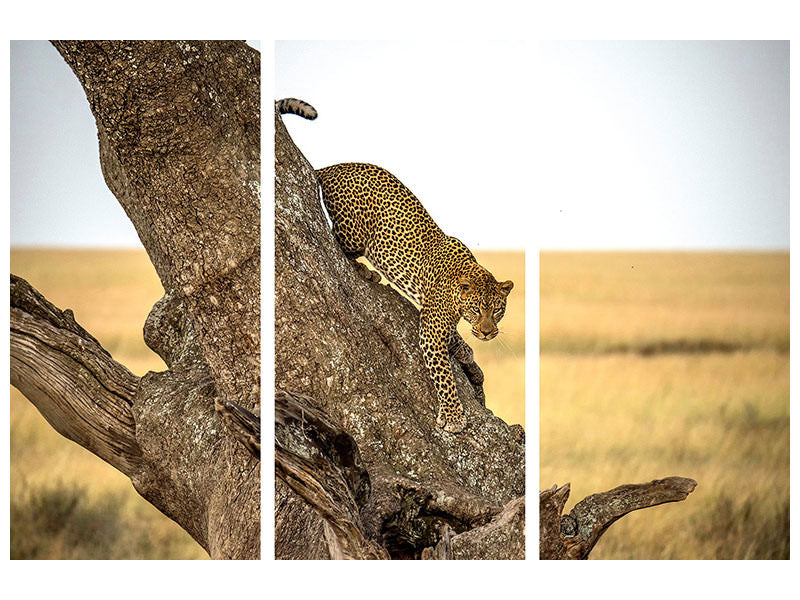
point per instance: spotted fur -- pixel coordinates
(376, 216)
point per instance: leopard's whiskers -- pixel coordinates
(506, 345)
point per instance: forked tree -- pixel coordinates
(179, 134)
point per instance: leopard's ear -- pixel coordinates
(465, 284)
(506, 287)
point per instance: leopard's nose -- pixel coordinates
(485, 328)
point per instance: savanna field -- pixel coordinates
(660, 364)
(67, 503)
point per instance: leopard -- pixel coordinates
(375, 216)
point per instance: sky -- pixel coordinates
(58, 195)
(562, 145)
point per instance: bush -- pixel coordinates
(61, 521)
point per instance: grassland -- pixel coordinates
(659, 364)
(66, 502)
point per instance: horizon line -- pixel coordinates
(101, 247)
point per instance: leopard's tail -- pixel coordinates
(296, 107)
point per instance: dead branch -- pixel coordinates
(82, 392)
(573, 536)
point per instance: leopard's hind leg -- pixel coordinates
(352, 241)
(362, 269)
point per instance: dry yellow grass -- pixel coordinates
(609, 417)
(111, 293)
(607, 300)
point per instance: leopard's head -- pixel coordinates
(482, 301)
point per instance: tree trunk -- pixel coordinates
(573, 536)
(178, 127)
(362, 469)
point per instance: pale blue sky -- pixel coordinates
(58, 195)
(664, 144)
(562, 144)
(550, 144)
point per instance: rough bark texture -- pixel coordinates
(81, 379)
(573, 536)
(320, 462)
(178, 127)
(347, 349)
(502, 538)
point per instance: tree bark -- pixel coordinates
(573, 536)
(349, 375)
(178, 128)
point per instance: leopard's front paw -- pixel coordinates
(450, 422)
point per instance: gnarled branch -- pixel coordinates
(503, 538)
(244, 425)
(320, 461)
(573, 536)
(82, 392)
